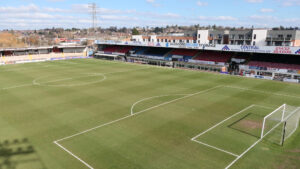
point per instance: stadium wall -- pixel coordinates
(230, 48)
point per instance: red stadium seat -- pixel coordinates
(184, 52)
(274, 65)
(213, 56)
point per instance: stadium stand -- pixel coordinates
(125, 49)
(157, 52)
(213, 56)
(117, 49)
(184, 52)
(274, 65)
(160, 52)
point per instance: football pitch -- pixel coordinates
(88, 113)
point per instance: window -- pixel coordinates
(174, 41)
(289, 36)
(198, 41)
(280, 36)
(219, 36)
(211, 35)
(241, 36)
(166, 40)
(180, 40)
(199, 36)
(287, 43)
(187, 41)
(254, 43)
(254, 37)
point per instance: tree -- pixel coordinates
(281, 27)
(135, 31)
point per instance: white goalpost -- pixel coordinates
(273, 120)
(280, 124)
(291, 123)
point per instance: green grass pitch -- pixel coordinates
(88, 113)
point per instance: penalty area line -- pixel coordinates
(69, 152)
(245, 109)
(106, 124)
(18, 86)
(134, 114)
(216, 148)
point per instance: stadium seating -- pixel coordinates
(157, 51)
(111, 49)
(151, 51)
(125, 49)
(274, 65)
(118, 49)
(213, 56)
(184, 52)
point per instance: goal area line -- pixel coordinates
(267, 133)
(57, 142)
(194, 139)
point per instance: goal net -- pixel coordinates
(291, 123)
(280, 124)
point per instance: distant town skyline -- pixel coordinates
(39, 14)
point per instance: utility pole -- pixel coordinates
(93, 12)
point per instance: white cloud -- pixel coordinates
(266, 10)
(199, 3)
(255, 1)
(55, 0)
(289, 2)
(217, 18)
(153, 3)
(77, 15)
(28, 8)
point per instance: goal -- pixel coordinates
(291, 123)
(280, 124)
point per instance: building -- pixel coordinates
(283, 38)
(255, 37)
(189, 37)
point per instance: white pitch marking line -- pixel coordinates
(134, 114)
(126, 71)
(194, 138)
(36, 83)
(240, 156)
(190, 95)
(71, 85)
(243, 154)
(260, 91)
(149, 98)
(213, 147)
(131, 115)
(68, 151)
(265, 107)
(18, 86)
(94, 128)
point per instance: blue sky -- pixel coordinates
(36, 14)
